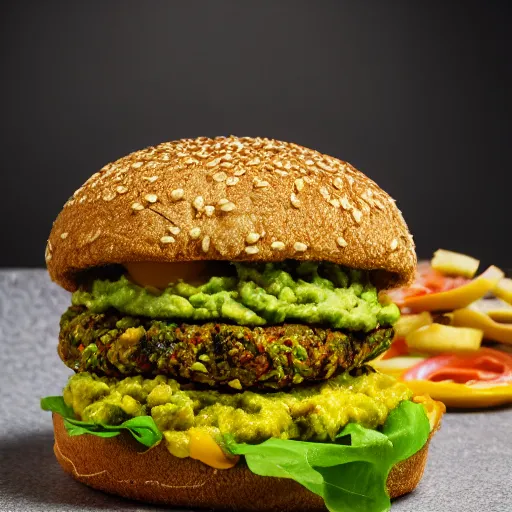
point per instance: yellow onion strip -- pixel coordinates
(503, 290)
(396, 366)
(470, 317)
(458, 297)
(464, 396)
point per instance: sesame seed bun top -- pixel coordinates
(230, 198)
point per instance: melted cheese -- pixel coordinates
(433, 408)
(204, 448)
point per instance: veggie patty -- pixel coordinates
(213, 354)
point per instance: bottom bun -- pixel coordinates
(120, 465)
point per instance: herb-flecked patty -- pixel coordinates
(214, 354)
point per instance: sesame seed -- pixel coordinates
(299, 184)
(174, 230)
(213, 163)
(209, 210)
(227, 165)
(254, 161)
(198, 203)
(367, 199)
(335, 203)
(325, 193)
(220, 176)
(92, 237)
(47, 253)
(167, 240)
(232, 180)
(281, 173)
(177, 194)
(93, 177)
(151, 198)
(295, 200)
(222, 201)
(188, 161)
(108, 195)
(136, 165)
(181, 154)
(357, 214)
(345, 204)
(252, 238)
(121, 189)
(195, 233)
(228, 207)
(394, 244)
(64, 235)
(324, 166)
(350, 179)
(205, 244)
(379, 205)
(252, 249)
(277, 246)
(279, 164)
(341, 241)
(260, 183)
(338, 183)
(239, 172)
(227, 157)
(309, 162)
(300, 247)
(151, 179)
(137, 206)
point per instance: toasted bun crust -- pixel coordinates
(119, 465)
(210, 199)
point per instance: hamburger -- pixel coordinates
(225, 304)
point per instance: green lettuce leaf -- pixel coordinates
(351, 474)
(142, 428)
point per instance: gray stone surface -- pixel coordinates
(469, 469)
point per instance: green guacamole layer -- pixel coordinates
(271, 293)
(312, 413)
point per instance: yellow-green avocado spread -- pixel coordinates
(313, 413)
(261, 294)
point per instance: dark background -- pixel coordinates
(415, 94)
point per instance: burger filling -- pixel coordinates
(196, 350)
(265, 361)
(308, 413)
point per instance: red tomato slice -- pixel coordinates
(400, 295)
(427, 281)
(437, 282)
(485, 365)
(397, 348)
